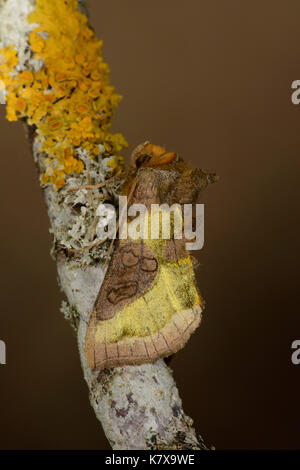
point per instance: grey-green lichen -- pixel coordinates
(70, 313)
(74, 212)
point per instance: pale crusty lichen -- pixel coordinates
(70, 313)
(14, 36)
(140, 406)
(81, 286)
(74, 213)
(13, 22)
(69, 100)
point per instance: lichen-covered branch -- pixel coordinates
(53, 78)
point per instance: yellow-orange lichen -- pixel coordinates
(70, 100)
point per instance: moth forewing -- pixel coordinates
(148, 305)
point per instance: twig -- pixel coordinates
(99, 185)
(87, 248)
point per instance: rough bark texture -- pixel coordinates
(139, 407)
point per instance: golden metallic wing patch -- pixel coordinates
(147, 308)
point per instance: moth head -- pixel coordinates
(152, 156)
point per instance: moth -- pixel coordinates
(148, 305)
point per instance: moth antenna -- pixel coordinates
(86, 248)
(99, 185)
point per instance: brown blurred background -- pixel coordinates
(212, 81)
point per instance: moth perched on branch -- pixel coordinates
(148, 305)
(53, 77)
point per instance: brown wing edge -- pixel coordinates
(140, 350)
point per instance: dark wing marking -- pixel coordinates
(131, 272)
